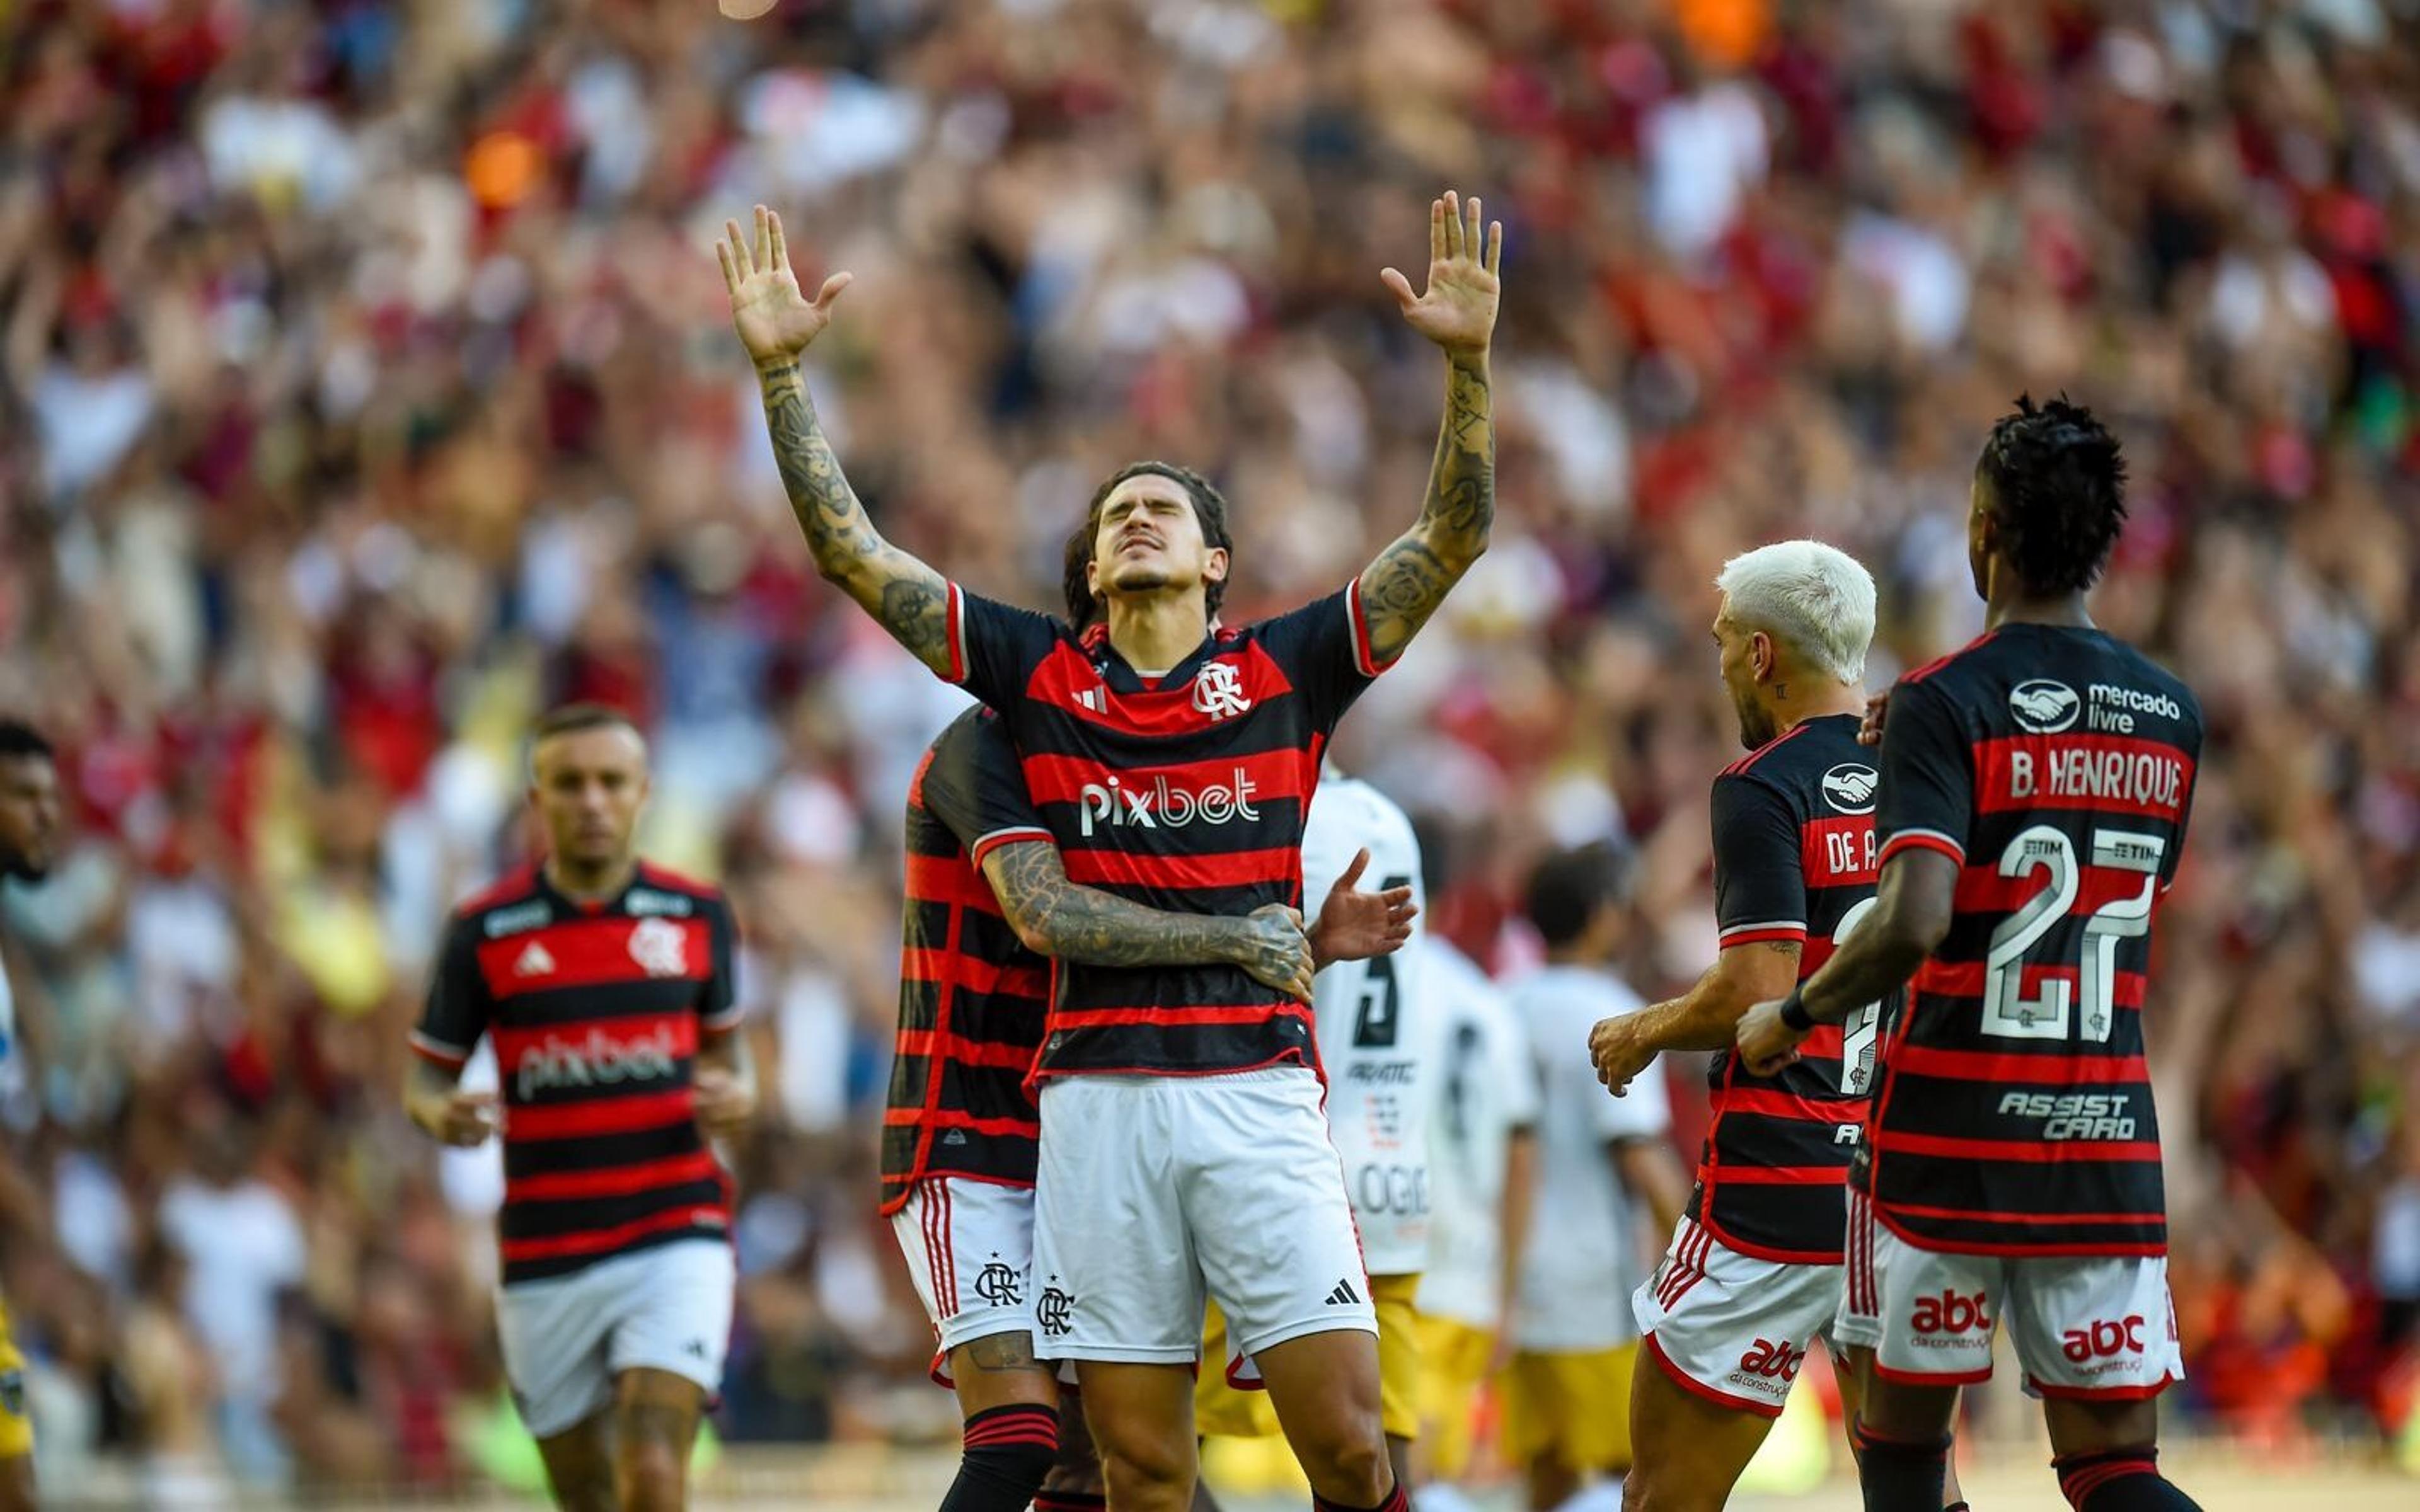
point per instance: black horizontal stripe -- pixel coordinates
(988, 1018)
(1752, 1139)
(1180, 1048)
(517, 1271)
(2037, 1189)
(1800, 1218)
(926, 835)
(1983, 1233)
(1281, 721)
(1940, 1107)
(542, 1007)
(558, 1218)
(602, 1152)
(925, 926)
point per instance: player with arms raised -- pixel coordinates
(1173, 764)
(2033, 795)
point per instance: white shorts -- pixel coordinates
(2093, 1328)
(1154, 1189)
(1858, 1325)
(566, 1338)
(969, 1249)
(1730, 1327)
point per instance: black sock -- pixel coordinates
(1395, 1502)
(1008, 1452)
(1902, 1477)
(2120, 1480)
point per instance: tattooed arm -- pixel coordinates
(1411, 578)
(1056, 918)
(776, 323)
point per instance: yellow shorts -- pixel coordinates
(1453, 1369)
(1572, 1408)
(1220, 1410)
(16, 1428)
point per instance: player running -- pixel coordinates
(2033, 795)
(1753, 1277)
(1374, 1027)
(1173, 766)
(29, 833)
(1567, 1390)
(605, 983)
(988, 903)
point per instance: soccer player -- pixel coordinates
(2034, 795)
(988, 906)
(1182, 1146)
(605, 983)
(1374, 1027)
(1567, 1390)
(29, 831)
(1753, 1277)
(1483, 1164)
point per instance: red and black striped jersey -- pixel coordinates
(2055, 765)
(1794, 836)
(1184, 793)
(971, 996)
(596, 1010)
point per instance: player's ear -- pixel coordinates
(1092, 577)
(1760, 655)
(1214, 567)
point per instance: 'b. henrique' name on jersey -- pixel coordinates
(1185, 792)
(1795, 864)
(971, 996)
(2055, 767)
(596, 1011)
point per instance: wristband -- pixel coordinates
(1793, 1012)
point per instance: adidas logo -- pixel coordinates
(955, 1137)
(536, 960)
(1344, 1296)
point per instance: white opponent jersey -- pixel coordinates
(1374, 1036)
(1483, 1089)
(1584, 1257)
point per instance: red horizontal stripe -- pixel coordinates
(1067, 676)
(2033, 1151)
(950, 879)
(1760, 936)
(1227, 869)
(971, 972)
(1965, 979)
(1984, 1066)
(1981, 889)
(597, 1240)
(1818, 950)
(2155, 778)
(1784, 1175)
(450, 1060)
(951, 1118)
(1838, 851)
(586, 953)
(1906, 1210)
(514, 1040)
(963, 1051)
(1767, 1103)
(614, 1181)
(1823, 1042)
(1093, 1018)
(1268, 777)
(598, 1115)
(1912, 841)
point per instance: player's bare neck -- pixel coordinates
(586, 884)
(2020, 609)
(1158, 628)
(1821, 697)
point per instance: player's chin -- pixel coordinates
(1142, 578)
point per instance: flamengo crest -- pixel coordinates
(1219, 690)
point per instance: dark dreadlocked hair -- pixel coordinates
(1209, 507)
(2055, 484)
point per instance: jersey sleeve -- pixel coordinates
(995, 647)
(719, 1010)
(976, 787)
(1324, 649)
(456, 1013)
(1928, 777)
(1759, 882)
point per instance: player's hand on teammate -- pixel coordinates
(1765, 1043)
(462, 1118)
(1276, 952)
(1355, 925)
(1870, 729)
(1620, 1056)
(724, 1102)
(775, 319)
(1457, 311)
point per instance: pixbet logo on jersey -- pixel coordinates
(595, 1059)
(1164, 805)
(1952, 1315)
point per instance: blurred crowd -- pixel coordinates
(365, 386)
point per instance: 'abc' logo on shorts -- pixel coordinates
(1950, 1312)
(1774, 1362)
(2103, 1339)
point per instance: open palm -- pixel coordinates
(1458, 309)
(775, 319)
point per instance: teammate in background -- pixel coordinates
(29, 832)
(2035, 788)
(1482, 1182)
(988, 904)
(1754, 1274)
(606, 984)
(1376, 1045)
(1183, 1147)
(1567, 1389)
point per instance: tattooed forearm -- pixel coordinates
(909, 599)
(1056, 918)
(1411, 578)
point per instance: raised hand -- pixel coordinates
(1458, 309)
(1354, 925)
(776, 322)
(1275, 953)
